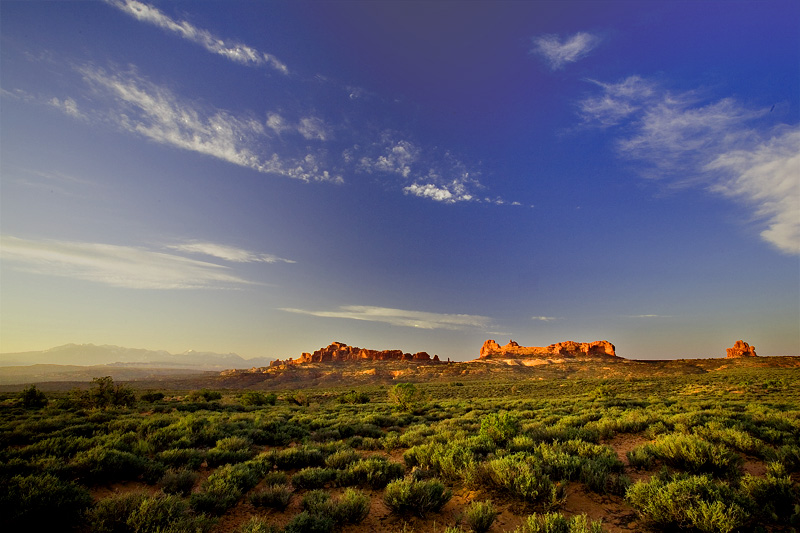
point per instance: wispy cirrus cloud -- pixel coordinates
(156, 113)
(558, 52)
(118, 266)
(649, 316)
(544, 318)
(236, 52)
(440, 177)
(400, 317)
(228, 253)
(721, 146)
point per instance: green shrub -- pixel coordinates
(142, 513)
(557, 523)
(205, 395)
(687, 501)
(419, 497)
(313, 477)
(688, 453)
(152, 396)
(298, 398)
(352, 507)
(375, 472)
(354, 397)
(298, 457)
(276, 478)
(224, 487)
(41, 502)
(272, 496)
(500, 428)
(178, 481)
(98, 465)
(308, 523)
(258, 524)
(341, 459)
(188, 457)
(32, 398)
(520, 476)
(773, 497)
(104, 393)
(258, 398)
(480, 516)
(406, 396)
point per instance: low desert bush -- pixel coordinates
(305, 522)
(500, 428)
(152, 396)
(520, 476)
(375, 472)
(689, 453)
(298, 457)
(272, 496)
(142, 513)
(480, 516)
(688, 501)
(178, 481)
(42, 502)
(258, 524)
(557, 523)
(772, 497)
(313, 477)
(188, 457)
(224, 487)
(351, 508)
(418, 497)
(354, 397)
(341, 459)
(258, 398)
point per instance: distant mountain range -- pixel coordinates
(92, 355)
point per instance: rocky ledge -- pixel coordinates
(491, 349)
(741, 349)
(341, 352)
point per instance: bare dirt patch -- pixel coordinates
(617, 516)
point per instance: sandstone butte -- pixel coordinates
(340, 352)
(741, 349)
(491, 349)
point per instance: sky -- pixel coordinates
(266, 178)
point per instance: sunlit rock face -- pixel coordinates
(741, 349)
(341, 352)
(562, 349)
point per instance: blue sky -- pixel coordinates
(268, 177)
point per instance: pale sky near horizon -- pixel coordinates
(268, 177)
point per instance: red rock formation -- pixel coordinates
(741, 349)
(339, 352)
(562, 349)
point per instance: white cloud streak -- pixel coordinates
(236, 52)
(720, 146)
(118, 266)
(438, 177)
(544, 318)
(158, 114)
(558, 53)
(401, 317)
(228, 253)
(68, 106)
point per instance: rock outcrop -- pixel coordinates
(562, 349)
(341, 352)
(741, 349)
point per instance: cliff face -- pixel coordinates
(340, 352)
(562, 349)
(741, 349)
